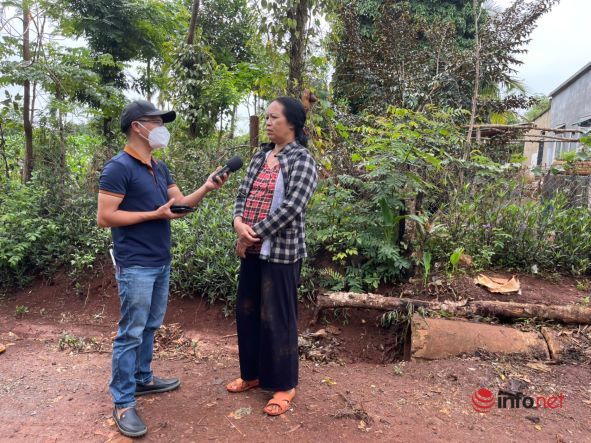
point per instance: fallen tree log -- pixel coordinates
(568, 314)
(435, 338)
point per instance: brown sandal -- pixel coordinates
(281, 399)
(240, 385)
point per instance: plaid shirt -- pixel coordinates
(258, 203)
(285, 225)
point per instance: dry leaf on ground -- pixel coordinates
(499, 285)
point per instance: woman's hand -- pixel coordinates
(246, 237)
(241, 249)
(245, 233)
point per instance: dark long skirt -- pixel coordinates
(266, 318)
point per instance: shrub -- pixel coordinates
(498, 226)
(24, 231)
(359, 233)
(204, 262)
(41, 231)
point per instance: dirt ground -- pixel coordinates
(55, 370)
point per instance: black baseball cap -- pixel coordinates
(142, 108)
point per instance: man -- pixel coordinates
(136, 193)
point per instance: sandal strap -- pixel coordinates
(240, 385)
(281, 399)
(277, 402)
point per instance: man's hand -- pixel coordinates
(164, 212)
(110, 216)
(212, 183)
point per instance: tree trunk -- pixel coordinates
(254, 133)
(193, 23)
(570, 314)
(60, 123)
(28, 126)
(221, 131)
(233, 122)
(477, 12)
(3, 152)
(297, 48)
(148, 81)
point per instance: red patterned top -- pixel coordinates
(258, 202)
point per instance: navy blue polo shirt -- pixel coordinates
(143, 187)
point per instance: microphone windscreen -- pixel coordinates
(234, 163)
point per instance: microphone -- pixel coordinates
(232, 165)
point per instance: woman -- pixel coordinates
(269, 219)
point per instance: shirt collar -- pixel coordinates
(288, 147)
(129, 150)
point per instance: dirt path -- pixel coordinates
(52, 394)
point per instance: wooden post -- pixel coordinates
(254, 133)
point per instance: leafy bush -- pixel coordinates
(79, 241)
(498, 226)
(24, 230)
(204, 262)
(357, 217)
(359, 232)
(41, 231)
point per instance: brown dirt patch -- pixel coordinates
(551, 289)
(48, 394)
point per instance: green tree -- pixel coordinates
(542, 105)
(401, 53)
(292, 24)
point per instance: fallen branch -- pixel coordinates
(569, 314)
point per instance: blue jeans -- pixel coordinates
(144, 295)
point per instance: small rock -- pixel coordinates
(303, 343)
(515, 387)
(333, 330)
(2, 348)
(321, 333)
(533, 419)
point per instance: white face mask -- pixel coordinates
(158, 137)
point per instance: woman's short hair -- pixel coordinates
(294, 113)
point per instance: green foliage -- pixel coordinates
(229, 28)
(23, 233)
(400, 190)
(498, 226)
(454, 259)
(204, 261)
(21, 310)
(542, 105)
(204, 90)
(356, 233)
(124, 29)
(426, 262)
(402, 53)
(39, 233)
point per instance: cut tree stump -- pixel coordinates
(434, 338)
(568, 314)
